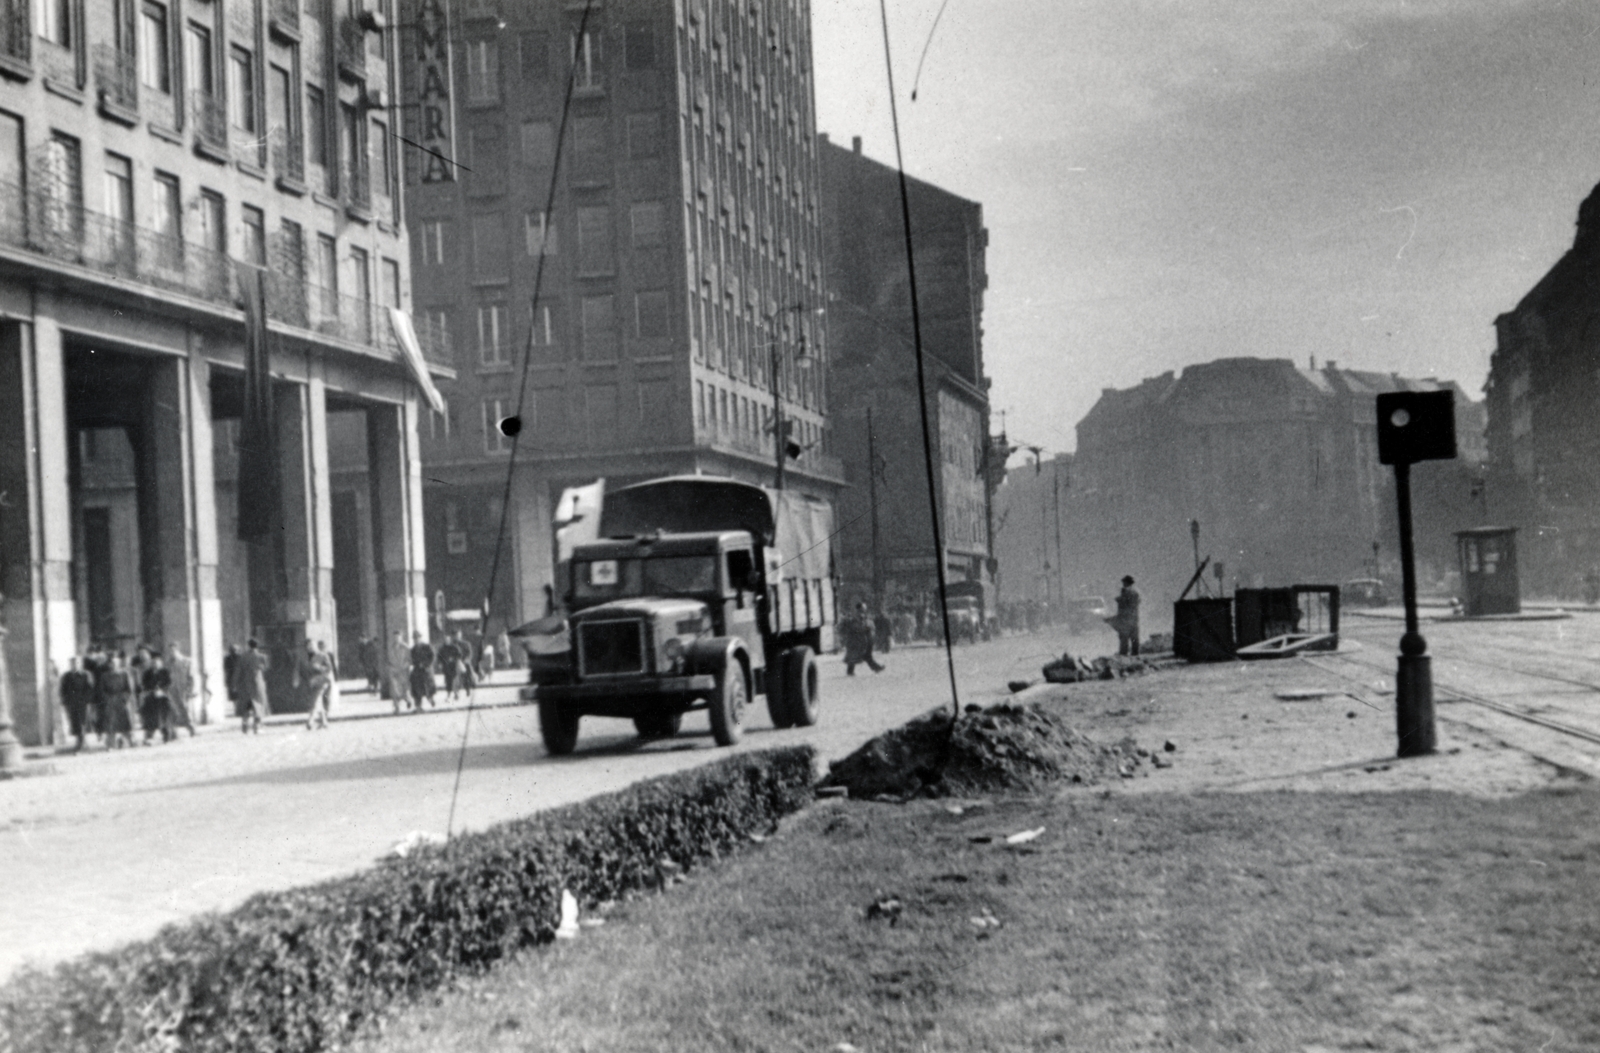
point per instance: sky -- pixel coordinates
(1168, 182)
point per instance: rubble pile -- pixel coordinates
(1004, 747)
(1071, 670)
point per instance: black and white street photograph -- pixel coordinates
(849, 526)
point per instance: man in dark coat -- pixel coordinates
(422, 686)
(855, 633)
(1126, 621)
(77, 695)
(230, 672)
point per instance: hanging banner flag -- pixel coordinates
(259, 507)
(435, 111)
(411, 351)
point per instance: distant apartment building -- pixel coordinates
(678, 267)
(886, 541)
(159, 160)
(1278, 465)
(1544, 431)
(1033, 533)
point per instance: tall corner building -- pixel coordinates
(175, 176)
(667, 292)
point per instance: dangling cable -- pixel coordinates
(922, 382)
(916, 80)
(516, 433)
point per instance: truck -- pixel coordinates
(700, 593)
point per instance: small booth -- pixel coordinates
(1489, 571)
(1202, 630)
(1300, 611)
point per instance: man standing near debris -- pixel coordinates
(855, 632)
(1126, 621)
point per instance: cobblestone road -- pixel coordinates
(114, 845)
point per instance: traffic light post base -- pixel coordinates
(1414, 699)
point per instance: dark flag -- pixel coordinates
(258, 440)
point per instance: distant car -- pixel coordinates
(966, 619)
(1363, 592)
(1087, 613)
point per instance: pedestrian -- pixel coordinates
(230, 674)
(422, 685)
(1126, 620)
(369, 662)
(155, 698)
(882, 631)
(333, 669)
(399, 663)
(856, 632)
(182, 672)
(314, 674)
(77, 696)
(502, 647)
(118, 691)
(450, 662)
(97, 662)
(251, 684)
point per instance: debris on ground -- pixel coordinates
(887, 907)
(568, 929)
(1070, 669)
(1003, 747)
(1306, 694)
(416, 839)
(1018, 685)
(1022, 837)
(986, 920)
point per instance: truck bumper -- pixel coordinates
(600, 698)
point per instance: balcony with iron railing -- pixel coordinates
(210, 122)
(116, 74)
(16, 35)
(50, 227)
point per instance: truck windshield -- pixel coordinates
(660, 576)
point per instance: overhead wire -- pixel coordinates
(515, 432)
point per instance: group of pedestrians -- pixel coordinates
(461, 664)
(107, 694)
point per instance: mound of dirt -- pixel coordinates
(1004, 747)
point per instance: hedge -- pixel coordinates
(303, 970)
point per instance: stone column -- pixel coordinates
(211, 689)
(535, 544)
(396, 475)
(35, 521)
(166, 504)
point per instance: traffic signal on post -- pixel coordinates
(1416, 426)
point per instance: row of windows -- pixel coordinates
(591, 416)
(489, 236)
(721, 409)
(483, 59)
(493, 343)
(588, 157)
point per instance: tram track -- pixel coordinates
(1507, 667)
(1461, 695)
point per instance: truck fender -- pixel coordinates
(714, 654)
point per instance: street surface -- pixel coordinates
(114, 845)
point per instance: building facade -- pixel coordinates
(1032, 519)
(171, 170)
(1544, 438)
(886, 541)
(659, 266)
(1277, 464)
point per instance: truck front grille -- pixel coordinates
(611, 648)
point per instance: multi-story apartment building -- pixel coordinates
(1277, 464)
(664, 292)
(1544, 434)
(886, 533)
(162, 164)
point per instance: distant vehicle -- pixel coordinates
(966, 620)
(1087, 613)
(1363, 592)
(701, 594)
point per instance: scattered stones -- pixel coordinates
(887, 908)
(1018, 685)
(1169, 746)
(1350, 715)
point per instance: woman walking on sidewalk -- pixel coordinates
(251, 674)
(117, 692)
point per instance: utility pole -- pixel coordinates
(1055, 482)
(872, 494)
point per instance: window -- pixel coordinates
(361, 273)
(644, 135)
(538, 145)
(287, 146)
(167, 214)
(489, 261)
(594, 241)
(436, 323)
(486, 158)
(391, 283)
(493, 347)
(382, 167)
(214, 224)
(242, 89)
(198, 60)
(155, 61)
(55, 20)
(640, 47)
(544, 329)
(328, 275)
(599, 328)
(353, 153)
(253, 227)
(495, 411)
(589, 147)
(439, 423)
(433, 241)
(539, 233)
(586, 56)
(119, 190)
(647, 219)
(650, 314)
(483, 71)
(534, 50)
(316, 125)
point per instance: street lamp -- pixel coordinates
(780, 435)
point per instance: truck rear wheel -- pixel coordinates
(800, 686)
(727, 705)
(658, 725)
(558, 728)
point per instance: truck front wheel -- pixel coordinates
(800, 686)
(558, 728)
(727, 704)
